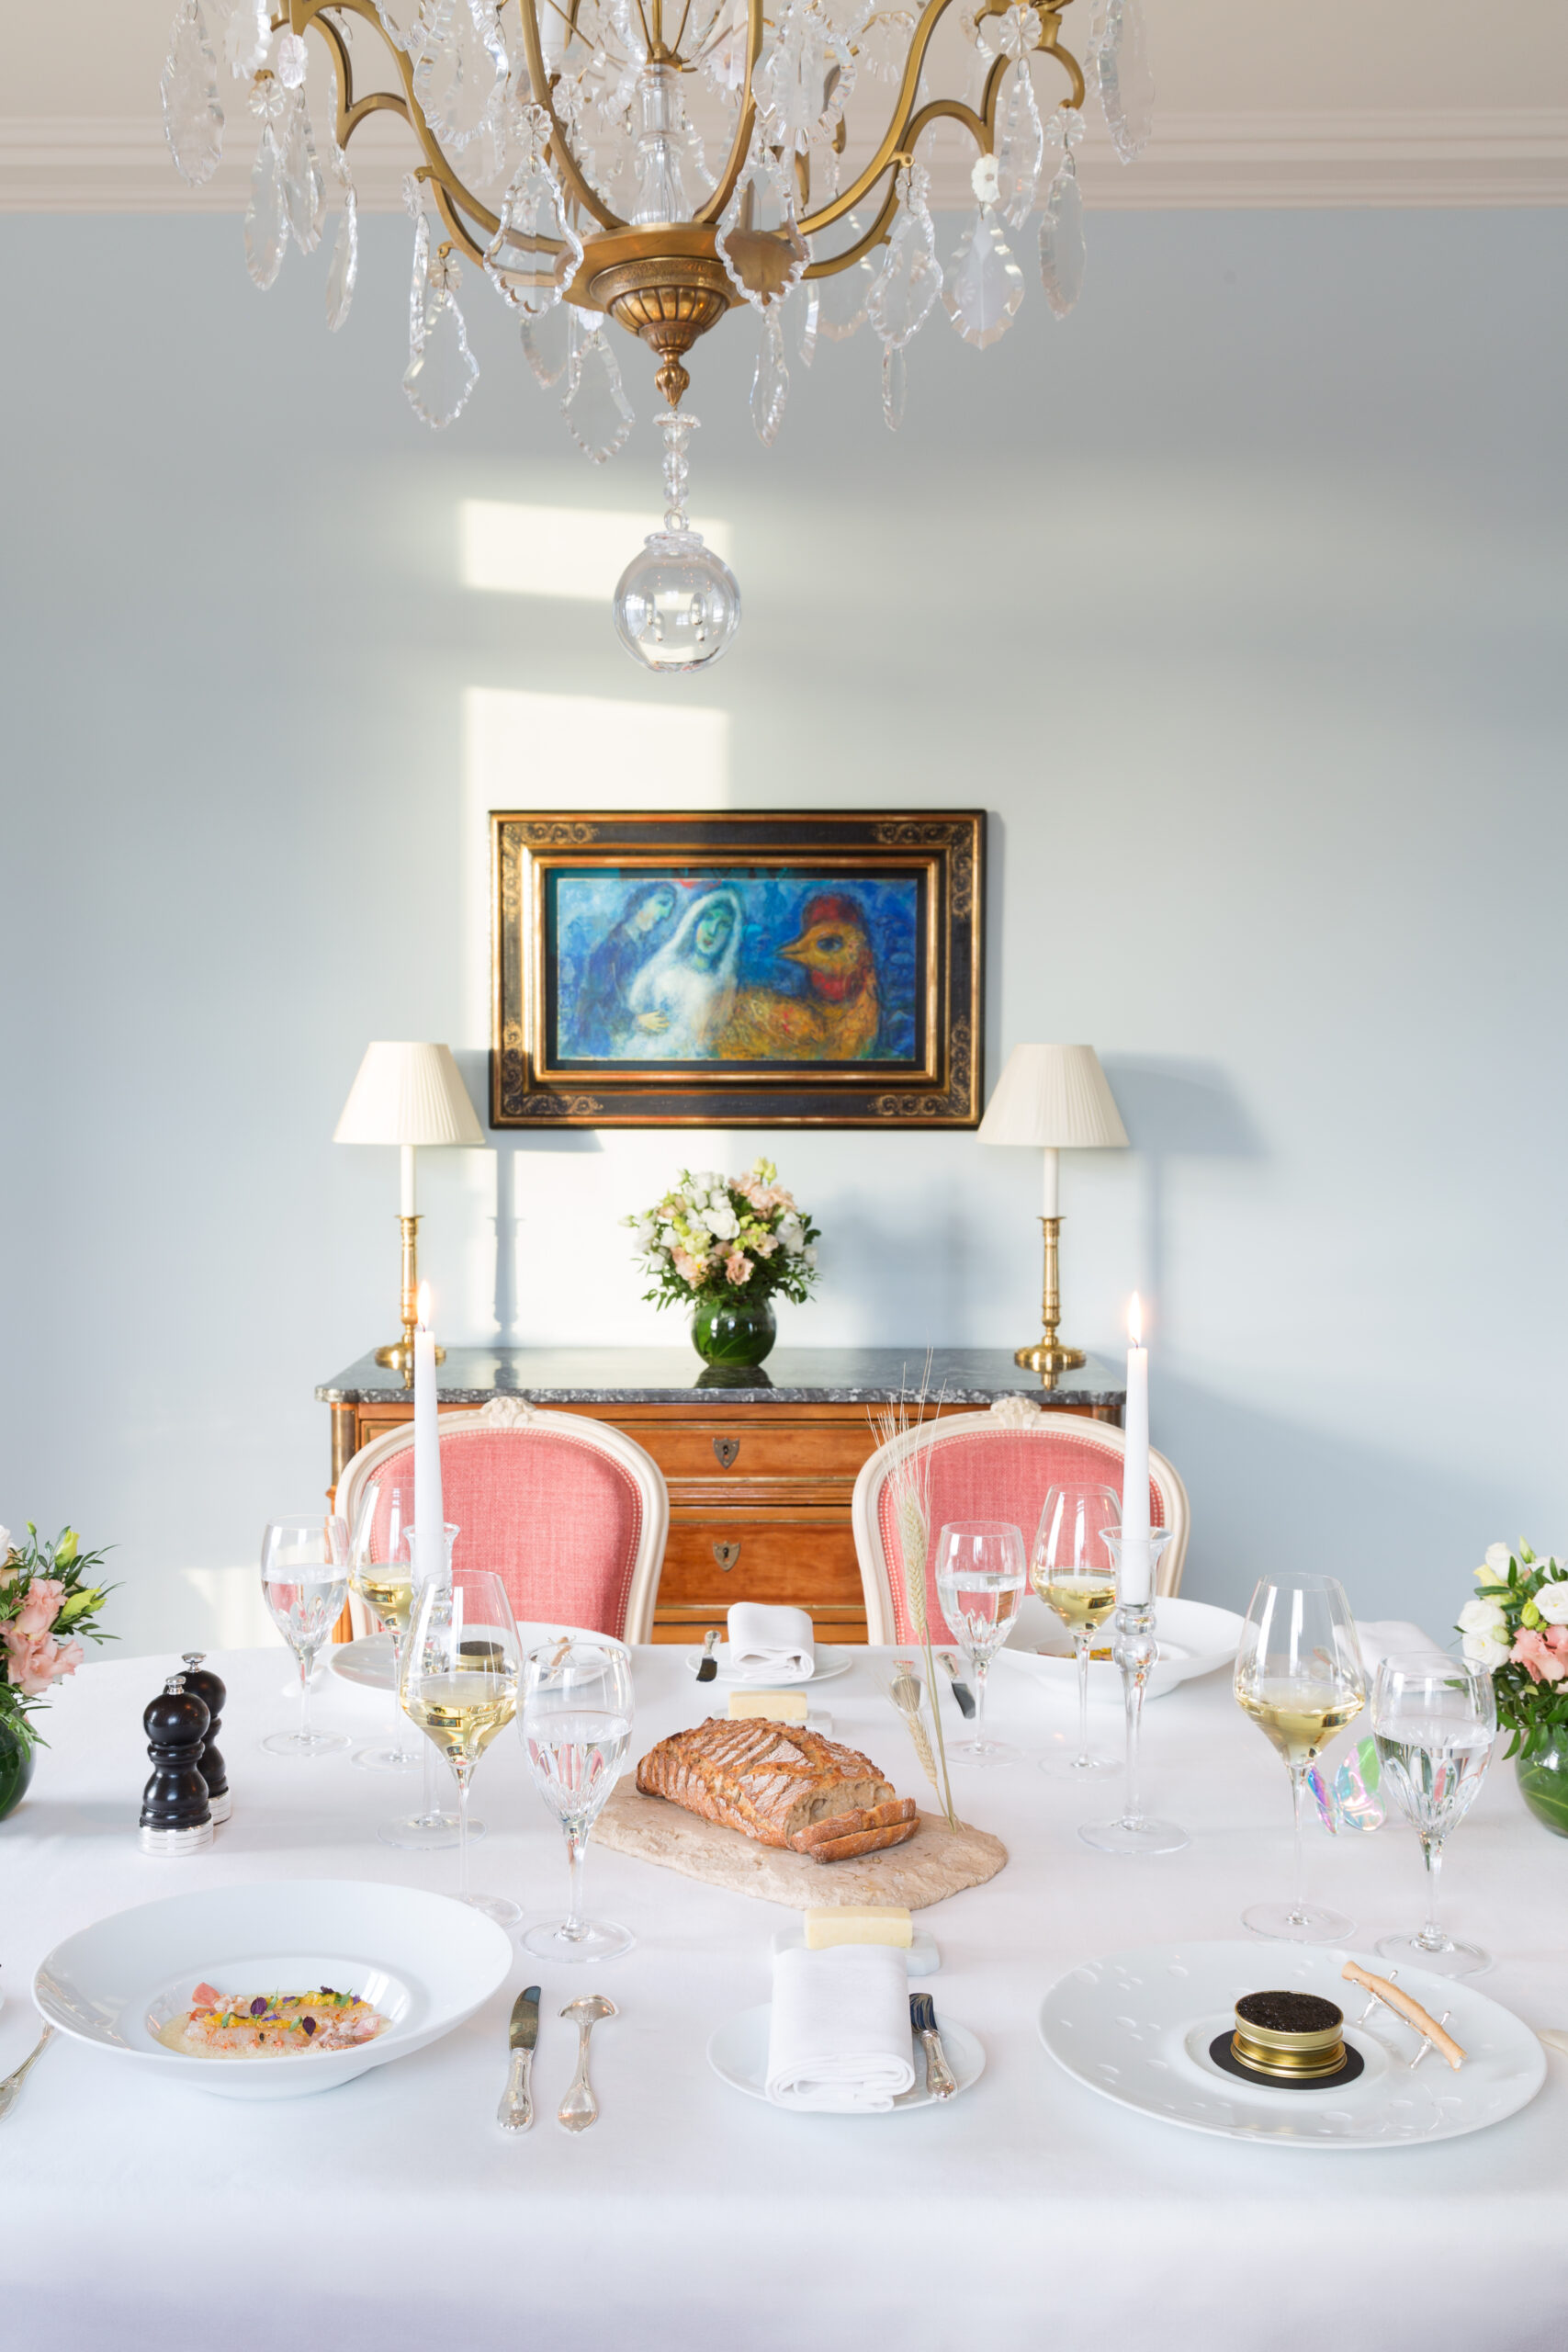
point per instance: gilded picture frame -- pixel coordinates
(818, 969)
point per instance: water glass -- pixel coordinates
(461, 1667)
(1299, 1677)
(1434, 1721)
(305, 1578)
(981, 1573)
(576, 1728)
(1073, 1569)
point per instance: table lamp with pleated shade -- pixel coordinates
(408, 1095)
(1057, 1098)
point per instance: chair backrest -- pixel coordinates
(995, 1464)
(571, 1514)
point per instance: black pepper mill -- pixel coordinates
(213, 1770)
(175, 1815)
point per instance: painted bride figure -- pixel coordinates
(684, 994)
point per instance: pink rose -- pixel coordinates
(1541, 1662)
(766, 1245)
(690, 1270)
(738, 1269)
(37, 1659)
(39, 1610)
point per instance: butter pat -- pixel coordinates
(778, 1706)
(858, 1923)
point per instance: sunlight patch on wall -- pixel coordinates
(575, 551)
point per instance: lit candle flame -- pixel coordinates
(424, 1307)
(1134, 1320)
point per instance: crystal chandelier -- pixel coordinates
(659, 163)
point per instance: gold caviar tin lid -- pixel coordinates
(1288, 2034)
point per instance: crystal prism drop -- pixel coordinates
(597, 411)
(985, 284)
(893, 384)
(1126, 79)
(247, 38)
(413, 205)
(803, 303)
(770, 385)
(901, 298)
(193, 120)
(304, 197)
(546, 344)
(840, 300)
(344, 266)
(290, 61)
(762, 250)
(444, 371)
(460, 67)
(1020, 148)
(1061, 250)
(804, 80)
(267, 221)
(536, 253)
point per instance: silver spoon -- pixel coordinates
(10, 2089)
(578, 2108)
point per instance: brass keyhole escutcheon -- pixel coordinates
(727, 1555)
(726, 1448)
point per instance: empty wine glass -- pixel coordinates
(1299, 1676)
(305, 1578)
(1434, 1722)
(577, 1726)
(461, 1667)
(980, 1580)
(385, 1585)
(1074, 1572)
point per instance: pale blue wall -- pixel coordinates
(1239, 600)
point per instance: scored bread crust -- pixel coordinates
(769, 1780)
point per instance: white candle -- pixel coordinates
(428, 1516)
(1137, 1577)
(405, 1172)
(1052, 1207)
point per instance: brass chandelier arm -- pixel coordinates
(351, 113)
(544, 87)
(892, 142)
(740, 146)
(873, 237)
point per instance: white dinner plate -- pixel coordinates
(738, 2054)
(831, 1659)
(1137, 2027)
(425, 1961)
(1194, 1638)
(368, 1661)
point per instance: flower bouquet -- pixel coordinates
(49, 1601)
(724, 1245)
(1518, 1625)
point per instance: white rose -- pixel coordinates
(1553, 1602)
(790, 1231)
(5, 1543)
(1497, 1558)
(1485, 1618)
(1481, 1649)
(667, 1238)
(721, 1221)
(645, 1233)
(811, 1255)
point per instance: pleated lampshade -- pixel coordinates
(407, 1093)
(1055, 1095)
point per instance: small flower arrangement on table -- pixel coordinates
(724, 1246)
(1516, 1626)
(49, 1599)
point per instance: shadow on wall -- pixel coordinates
(1178, 1110)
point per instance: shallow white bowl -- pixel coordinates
(424, 1961)
(1194, 1638)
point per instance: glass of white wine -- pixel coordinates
(980, 1578)
(462, 1663)
(1073, 1569)
(1434, 1722)
(384, 1581)
(1299, 1676)
(305, 1578)
(576, 1728)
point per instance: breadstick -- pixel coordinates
(1411, 2012)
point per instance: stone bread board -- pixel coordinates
(936, 1862)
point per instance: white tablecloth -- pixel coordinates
(392, 2214)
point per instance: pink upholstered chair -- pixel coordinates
(570, 1514)
(996, 1465)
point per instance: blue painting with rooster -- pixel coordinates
(766, 967)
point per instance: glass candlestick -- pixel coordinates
(1135, 1832)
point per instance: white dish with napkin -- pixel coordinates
(774, 1646)
(863, 2044)
(831, 1659)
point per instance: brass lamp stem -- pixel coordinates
(1049, 1357)
(399, 1355)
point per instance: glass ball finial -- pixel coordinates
(678, 605)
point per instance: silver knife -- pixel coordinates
(961, 1690)
(516, 2112)
(940, 2080)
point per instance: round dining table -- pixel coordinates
(1029, 2211)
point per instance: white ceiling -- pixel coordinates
(1260, 103)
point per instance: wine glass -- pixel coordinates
(1299, 1676)
(431, 1829)
(1434, 1722)
(980, 1581)
(577, 1726)
(1074, 1572)
(305, 1578)
(386, 1587)
(461, 1666)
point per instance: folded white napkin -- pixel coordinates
(769, 1645)
(1381, 1638)
(838, 2037)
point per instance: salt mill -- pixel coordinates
(214, 1772)
(177, 1817)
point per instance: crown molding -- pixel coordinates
(1514, 155)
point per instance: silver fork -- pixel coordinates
(10, 2089)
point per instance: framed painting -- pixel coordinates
(727, 970)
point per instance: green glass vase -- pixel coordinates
(1543, 1784)
(727, 1331)
(16, 1760)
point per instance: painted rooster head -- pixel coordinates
(832, 946)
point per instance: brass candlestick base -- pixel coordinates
(1048, 1356)
(398, 1355)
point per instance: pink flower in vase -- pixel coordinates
(41, 1606)
(690, 1270)
(738, 1269)
(1541, 1659)
(37, 1660)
